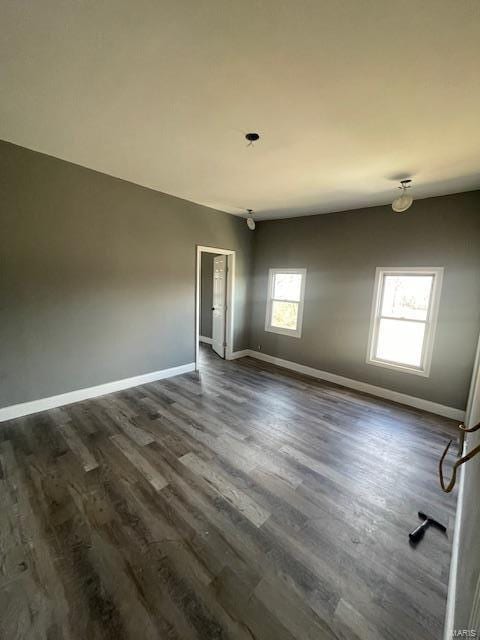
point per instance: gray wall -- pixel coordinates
(97, 276)
(97, 281)
(341, 252)
(206, 294)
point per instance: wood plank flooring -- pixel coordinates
(244, 502)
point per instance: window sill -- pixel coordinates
(284, 332)
(424, 373)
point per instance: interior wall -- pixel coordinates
(97, 281)
(341, 252)
(206, 294)
(97, 276)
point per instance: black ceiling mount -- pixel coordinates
(252, 137)
(405, 182)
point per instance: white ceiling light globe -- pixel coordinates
(402, 203)
(251, 224)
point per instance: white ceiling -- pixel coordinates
(348, 95)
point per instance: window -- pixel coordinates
(286, 289)
(404, 316)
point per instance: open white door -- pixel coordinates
(219, 306)
(223, 298)
(463, 602)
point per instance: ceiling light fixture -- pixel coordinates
(250, 220)
(405, 200)
(252, 137)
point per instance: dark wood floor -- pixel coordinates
(245, 502)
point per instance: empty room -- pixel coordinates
(239, 320)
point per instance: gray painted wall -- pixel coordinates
(341, 252)
(97, 276)
(97, 281)
(206, 294)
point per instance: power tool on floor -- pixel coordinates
(418, 533)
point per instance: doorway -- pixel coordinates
(214, 296)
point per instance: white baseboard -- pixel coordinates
(205, 339)
(238, 354)
(26, 408)
(381, 392)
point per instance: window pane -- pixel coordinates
(284, 315)
(287, 286)
(406, 296)
(400, 341)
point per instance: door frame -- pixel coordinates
(474, 393)
(229, 321)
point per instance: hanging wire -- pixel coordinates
(471, 454)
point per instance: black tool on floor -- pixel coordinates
(416, 535)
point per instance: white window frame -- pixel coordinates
(430, 322)
(297, 333)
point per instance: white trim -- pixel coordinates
(473, 402)
(230, 297)
(297, 333)
(26, 408)
(365, 387)
(205, 339)
(238, 354)
(474, 622)
(453, 576)
(430, 323)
